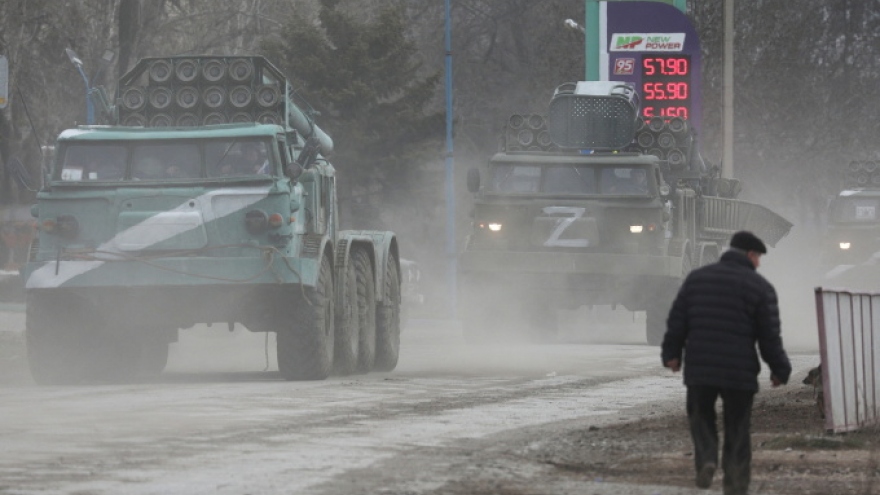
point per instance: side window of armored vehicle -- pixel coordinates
(569, 179)
(282, 155)
(856, 210)
(238, 158)
(511, 178)
(282, 152)
(219, 158)
(93, 162)
(624, 180)
(255, 158)
(165, 161)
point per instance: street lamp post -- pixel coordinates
(90, 109)
(571, 24)
(450, 170)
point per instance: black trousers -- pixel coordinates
(736, 457)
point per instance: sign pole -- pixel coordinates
(4, 81)
(591, 40)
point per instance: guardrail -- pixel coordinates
(849, 342)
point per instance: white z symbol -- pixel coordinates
(562, 224)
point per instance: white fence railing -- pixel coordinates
(849, 342)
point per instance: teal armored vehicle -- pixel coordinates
(207, 199)
(593, 205)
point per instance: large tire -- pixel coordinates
(61, 340)
(347, 338)
(366, 307)
(388, 320)
(305, 345)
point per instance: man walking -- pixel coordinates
(721, 311)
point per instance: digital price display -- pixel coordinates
(666, 85)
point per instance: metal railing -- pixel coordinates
(721, 217)
(849, 342)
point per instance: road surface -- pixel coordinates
(216, 422)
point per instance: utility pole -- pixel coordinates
(727, 124)
(450, 169)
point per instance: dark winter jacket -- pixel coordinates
(720, 312)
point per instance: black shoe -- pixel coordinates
(705, 474)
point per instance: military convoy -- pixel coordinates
(207, 198)
(592, 204)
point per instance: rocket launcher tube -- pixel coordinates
(225, 75)
(304, 125)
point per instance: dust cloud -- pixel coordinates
(796, 269)
(204, 349)
(793, 269)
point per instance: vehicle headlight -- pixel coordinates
(844, 245)
(636, 229)
(492, 226)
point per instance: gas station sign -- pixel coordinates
(666, 86)
(654, 46)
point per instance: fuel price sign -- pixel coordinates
(666, 85)
(654, 46)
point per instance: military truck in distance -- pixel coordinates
(207, 199)
(853, 234)
(593, 205)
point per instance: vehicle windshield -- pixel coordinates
(569, 179)
(855, 209)
(165, 161)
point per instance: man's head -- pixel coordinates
(750, 244)
(639, 176)
(250, 152)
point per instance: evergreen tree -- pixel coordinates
(363, 77)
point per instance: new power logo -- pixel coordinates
(647, 42)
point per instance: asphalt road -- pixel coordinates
(221, 420)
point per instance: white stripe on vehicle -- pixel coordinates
(46, 276)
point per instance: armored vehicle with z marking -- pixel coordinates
(593, 205)
(207, 199)
(853, 235)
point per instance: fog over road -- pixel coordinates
(214, 422)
